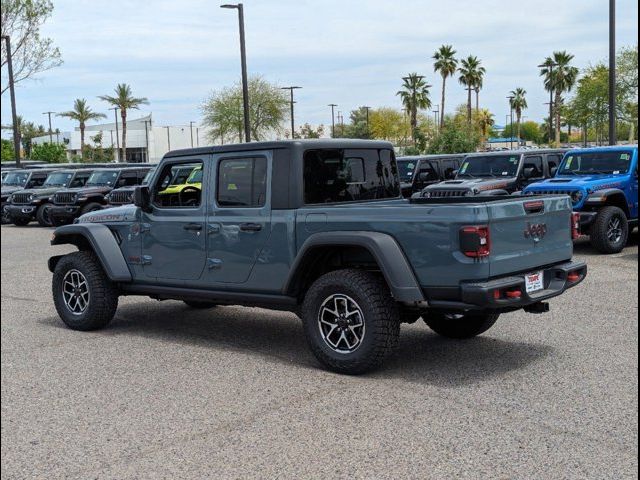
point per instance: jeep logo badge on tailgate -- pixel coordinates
(537, 231)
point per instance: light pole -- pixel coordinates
(510, 98)
(291, 102)
(243, 60)
(550, 66)
(168, 139)
(333, 119)
(115, 114)
(191, 123)
(12, 93)
(436, 112)
(50, 131)
(613, 137)
(146, 136)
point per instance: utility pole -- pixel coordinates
(613, 136)
(510, 98)
(436, 113)
(333, 119)
(115, 114)
(291, 102)
(146, 137)
(243, 61)
(50, 131)
(366, 109)
(191, 131)
(168, 139)
(12, 93)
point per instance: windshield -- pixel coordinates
(105, 178)
(196, 176)
(405, 169)
(490, 166)
(589, 163)
(16, 179)
(60, 179)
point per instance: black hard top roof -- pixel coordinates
(432, 157)
(328, 143)
(519, 152)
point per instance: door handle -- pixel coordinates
(250, 227)
(193, 227)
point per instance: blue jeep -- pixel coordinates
(603, 185)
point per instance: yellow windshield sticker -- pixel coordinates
(232, 186)
(569, 162)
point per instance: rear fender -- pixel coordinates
(97, 238)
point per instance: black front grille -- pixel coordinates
(571, 193)
(21, 198)
(121, 198)
(447, 193)
(64, 198)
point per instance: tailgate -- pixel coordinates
(527, 234)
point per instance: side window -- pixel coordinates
(79, 180)
(554, 162)
(449, 168)
(140, 175)
(427, 173)
(533, 167)
(242, 182)
(128, 179)
(167, 194)
(36, 181)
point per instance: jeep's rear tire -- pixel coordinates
(455, 326)
(199, 305)
(20, 222)
(42, 215)
(5, 216)
(610, 230)
(351, 321)
(83, 295)
(90, 207)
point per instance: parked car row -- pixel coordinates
(602, 183)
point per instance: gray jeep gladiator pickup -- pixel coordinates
(318, 228)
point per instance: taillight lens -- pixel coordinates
(475, 242)
(575, 225)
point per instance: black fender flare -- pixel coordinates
(602, 198)
(385, 250)
(100, 240)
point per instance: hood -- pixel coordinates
(590, 183)
(6, 191)
(42, 192)
(87, 190)
(475, 184)
(125, 213)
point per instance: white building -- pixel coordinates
(146, 142)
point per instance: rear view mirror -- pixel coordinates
(142, 198)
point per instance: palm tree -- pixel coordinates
(446, 64)
(469, 78)
(124, 100)
(518, 103)
(485, 121)
(560, 77)
(82, 113)
(415, 96)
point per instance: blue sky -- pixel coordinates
(349, 52)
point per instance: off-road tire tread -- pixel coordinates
(598, 233)
(90, 207)
(384, 324)
(40, 216)
(103, 301)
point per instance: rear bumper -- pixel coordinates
(481, 296)
(64, 214)
(21, 211)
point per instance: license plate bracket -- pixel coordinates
(534, 282)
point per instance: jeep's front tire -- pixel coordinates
(42, 215)
(83, 295)
(610, 231)
(460, 326)
(90, 207)
(351, 321)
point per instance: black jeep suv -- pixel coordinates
(34, 203)
(69, 204)
(419, 171)
(124, 195)
(19, 180)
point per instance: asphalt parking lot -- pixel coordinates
(169, 392)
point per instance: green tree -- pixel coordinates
(471, 74)
(31, 53)
(455, 139)
(414, 96)
(29, 131)
(518, 101)
(529, 132)
(389, 124)
(125, 101)
(49, 152)
(97, 153)
(7, 151)
(82, 114)
(307, 131)
(627, 88)
(268, 110)
(446, 64)
(559, 77)
(485, 121)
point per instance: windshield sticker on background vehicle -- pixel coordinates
(624, 156)
(569, 162)
(504, 174)
(513, 160)
(616, 172)
(464, 168)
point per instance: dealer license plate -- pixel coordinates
(534, 282)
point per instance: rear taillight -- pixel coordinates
(575, 225)
(475, 242)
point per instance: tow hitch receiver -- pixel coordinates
(539, 307)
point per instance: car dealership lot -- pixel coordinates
(168, 392)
